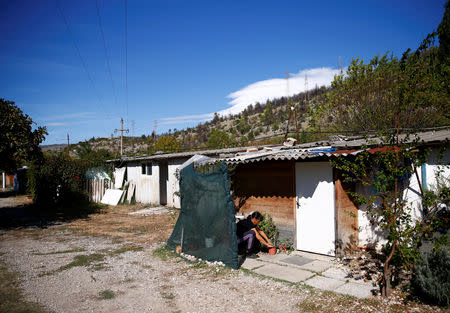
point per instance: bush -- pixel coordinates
(59, 180)
(269, 228)
(431, 280)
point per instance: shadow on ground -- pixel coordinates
(30, 215)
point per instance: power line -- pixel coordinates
(79, 53)
(126, 57)
(106, 51)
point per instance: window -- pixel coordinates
(146, 169)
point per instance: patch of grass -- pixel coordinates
(81, 260)
(106, 294)
(126, 248)
(98, 267)
(61, 252)
(164, 254)
(11, 298)
(308, 306)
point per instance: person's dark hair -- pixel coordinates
(258, 216)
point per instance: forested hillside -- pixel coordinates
(410, 92)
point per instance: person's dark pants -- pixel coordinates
(249, 237)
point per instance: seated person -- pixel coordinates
(247, 230)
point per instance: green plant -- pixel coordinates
(431, 280)
(106, 294)
(267, 225)
(59, 180)
(286, 244)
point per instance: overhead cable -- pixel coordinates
(106, 51)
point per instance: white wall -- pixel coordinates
(173, 184)
(369, 235)
(147, 186)
(133, 172)
(435, 173)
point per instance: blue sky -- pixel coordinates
(186, 59)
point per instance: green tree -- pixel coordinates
(388, 93)
(267, 117)
(58, 181)
(219, 139)
(19, 143)
(386, 174)
(394, 97)
(91, 157)
(167, 144)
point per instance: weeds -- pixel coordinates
(83, 260)
(106, 294)
(308, 306)
(126, 248)
(11, 298)
(164, 254)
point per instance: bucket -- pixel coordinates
(273, 251)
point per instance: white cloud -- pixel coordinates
(261, 91)
(186, 119)
(276, 88)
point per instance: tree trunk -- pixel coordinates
(386, 280)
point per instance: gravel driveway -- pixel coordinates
(112, 261)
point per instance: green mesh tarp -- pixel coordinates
(206, 226)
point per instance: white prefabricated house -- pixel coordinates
(297, 186)
(155, 176)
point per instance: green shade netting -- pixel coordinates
(206, 225)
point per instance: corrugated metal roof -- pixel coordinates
(294, 154)
(298, 152)
(180, 155)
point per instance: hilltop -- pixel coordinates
(262, 123)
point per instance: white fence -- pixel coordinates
(96, 188)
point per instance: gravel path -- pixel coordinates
(111, 262)
(139, 281)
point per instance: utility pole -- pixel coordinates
(68, 144)
(121, 135)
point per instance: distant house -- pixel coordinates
(297, 186)
(155, 175)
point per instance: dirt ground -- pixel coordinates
(113, 262)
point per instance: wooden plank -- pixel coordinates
(346, 217)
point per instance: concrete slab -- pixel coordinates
(150, 211)
(316, 266)
(288, 273)
(356, 290)
(314, 256)
(324, 283)
(271, 258)
(296, 260)
(336, 273)
(250, 264)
